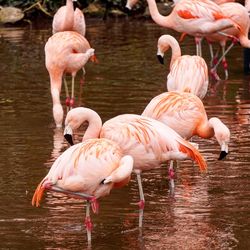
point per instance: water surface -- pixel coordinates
(208, 211)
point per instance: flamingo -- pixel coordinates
(88, 170)
(187, 73)
(65, 52)
(194, 17)
(239, 14)
(185, 113)
(69, 18)
(148, 141)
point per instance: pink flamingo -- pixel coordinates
(187, 73)
(148, 141)
(185, 113)
(238, 13)
(88, 170)
(65, 52)
(194, 17)
(69, 18)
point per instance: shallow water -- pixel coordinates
(208, 211)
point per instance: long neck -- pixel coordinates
(95, 124)
(206, 129)
(55, 87)
(176, 50)
(163, 21)
(69, 16)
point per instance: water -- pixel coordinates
(208, 211)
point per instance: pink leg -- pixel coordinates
(142, 200)
(88, 223)
(171, 176)
(94, 205)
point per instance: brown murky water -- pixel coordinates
(208, 211)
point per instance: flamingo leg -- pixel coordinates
(221, 58)
(88, 222)
(171, 176)
(142, 200)
(67, 101)
(72, 100)
(211, 53)
(224, 63)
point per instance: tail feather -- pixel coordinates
(38, 195)
(194, 154)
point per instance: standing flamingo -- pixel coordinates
(69, 18)
(148, 141)
(65, 52)
(87, 170)
(193, 17)
(187, 73)
(238, 13)
(185, 113)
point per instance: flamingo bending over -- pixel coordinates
(193, 17)
(148, 141)
(65, 52)
(239, 14)
(89, 170)
(185, 113)
(187, 73)
(69, 18)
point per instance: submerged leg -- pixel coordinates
(171, 176)
(88, 222)
(142, 200)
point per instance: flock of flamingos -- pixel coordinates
(110, 152)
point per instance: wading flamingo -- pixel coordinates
(187, 73)
(239, 14)
(69, 18)
(194, 17)
(65, 52)
(148, 141)
(87, 170)
(185, 113)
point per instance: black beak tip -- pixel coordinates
(161, 59)
(127, 10)
(69, 139)
(102, 182)
(223, 154)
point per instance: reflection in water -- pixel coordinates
(207, 212)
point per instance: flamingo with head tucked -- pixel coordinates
(148, 141)
(88, 170)
(187, 73)
(65, 52)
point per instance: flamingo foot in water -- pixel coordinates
(214, 74)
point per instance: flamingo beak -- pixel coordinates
(224, 151)
(223, 154)
(161, 59)
(68, 135)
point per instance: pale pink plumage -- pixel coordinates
(187, 73)
(185, 113)
(193, 17)
(68, 19)
(92, 167)
(65, 52)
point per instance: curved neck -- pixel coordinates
(206, 129)
(176, 50)
(163, 21)
(94, 123)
